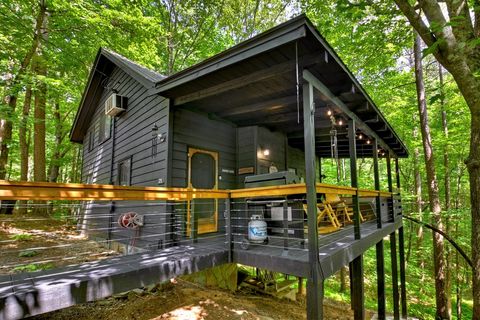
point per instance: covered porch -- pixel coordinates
(290, 81)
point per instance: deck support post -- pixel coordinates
(320, 170)
(352, 143)
(391, 213)
(393, 243)
(228, 227)
(315, 281)
(379, 247)
(356, 266)
(393, 256)
(401, 253)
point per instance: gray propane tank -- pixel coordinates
(257, 229)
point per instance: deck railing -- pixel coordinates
(168, 218)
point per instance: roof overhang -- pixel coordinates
(255, 83)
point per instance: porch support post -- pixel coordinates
(391, 213)
(393, 244)
(401, 252)
(315, 281)
(381, 306)
(393, 256)
(356, 265)
(319, 169)
(228, 227)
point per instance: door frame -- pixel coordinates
(212, 227)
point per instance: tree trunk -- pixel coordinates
(57, 155)
(418, 185)
(448, 276)
(6, 124)
(441, 299)
(39, 157)
(24, 141)
(473, 166)
(445, 134)
(6, 128)
(39, 162)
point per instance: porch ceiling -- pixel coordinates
(261, 89)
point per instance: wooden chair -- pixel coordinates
(325, 211)
(341, 208)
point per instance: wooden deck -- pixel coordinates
(33, 293)
(27, 294)
(40, 292)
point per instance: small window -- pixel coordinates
(124, 171)
(105, 127)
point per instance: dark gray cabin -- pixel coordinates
(260, 114)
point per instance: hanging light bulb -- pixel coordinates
(340, 122)
(360, 136)
(329, 112)
(368, 141)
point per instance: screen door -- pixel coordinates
(202, 174)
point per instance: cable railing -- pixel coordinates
(97, 222)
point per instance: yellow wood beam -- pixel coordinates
(14, 190)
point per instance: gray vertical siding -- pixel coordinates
(133, 138)
(192, 129)
(246, 151)
(197, 130)
(275, 143)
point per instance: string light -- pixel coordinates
(340, 122)
(368, 141)
(329, 112)
(360, 136)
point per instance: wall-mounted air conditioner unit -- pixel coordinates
(115, 105)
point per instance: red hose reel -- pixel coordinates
(130, 220)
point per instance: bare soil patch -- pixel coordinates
(185, 301)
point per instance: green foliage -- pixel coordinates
(28, 253)
(22, 237)
(32, 267)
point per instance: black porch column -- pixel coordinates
(356, 266)
(391, 213)
(319, 169)
(401, 252)
(393, 245)
(381, 307)
(315, 281)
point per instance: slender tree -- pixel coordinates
(6, 123)
(454, 43)
(432, 187)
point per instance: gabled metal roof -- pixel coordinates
(254, 83)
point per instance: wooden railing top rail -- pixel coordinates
(14, 190)
(75, 191)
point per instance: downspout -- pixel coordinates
(112, 203)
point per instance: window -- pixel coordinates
(105, 127)
(124, 170)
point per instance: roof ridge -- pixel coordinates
(153, 73)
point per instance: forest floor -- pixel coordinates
(31, 244)
(181, 300)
